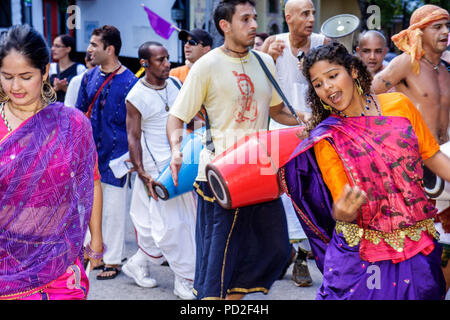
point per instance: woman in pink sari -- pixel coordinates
(47, 160)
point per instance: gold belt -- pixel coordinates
(353, 234)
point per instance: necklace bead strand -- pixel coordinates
(2, 113)
(366, 107)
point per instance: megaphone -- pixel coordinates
(341, 28)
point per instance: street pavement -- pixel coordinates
(124, 288)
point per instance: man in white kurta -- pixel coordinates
(171, 223)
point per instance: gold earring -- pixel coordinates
(325, 106)
(3, 96)
(358, 87)
(48, 94)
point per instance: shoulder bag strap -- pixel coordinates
(175, 82)
(89, 111)
(276, 86)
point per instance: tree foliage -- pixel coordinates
(391, 9)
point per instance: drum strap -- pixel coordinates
(209, 142)
(276, 86)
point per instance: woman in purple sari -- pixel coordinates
(359, 169)
(47, 159)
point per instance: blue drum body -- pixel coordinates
(190, 147)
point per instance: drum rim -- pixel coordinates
(436, 191)
(160, 186)
(212, 170)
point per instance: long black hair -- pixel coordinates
(28, 42)
(333, 53)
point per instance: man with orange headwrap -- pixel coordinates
(421, 74)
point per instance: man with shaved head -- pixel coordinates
(372, 49)
(287, 49)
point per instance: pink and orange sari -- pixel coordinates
(46, 194)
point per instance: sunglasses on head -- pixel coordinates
(192, 42)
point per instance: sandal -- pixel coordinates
(99, 267)
(116, 271)
(102, 265)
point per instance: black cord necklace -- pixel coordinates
(435, 66)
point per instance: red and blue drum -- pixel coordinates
(246, 173)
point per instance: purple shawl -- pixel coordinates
(46, 194)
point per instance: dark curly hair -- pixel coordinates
(334, 53)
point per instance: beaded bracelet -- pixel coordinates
(92, 254)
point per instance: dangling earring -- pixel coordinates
(325, 106)
(48, 94)
(358, 87)
(3, 96)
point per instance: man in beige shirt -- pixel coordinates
(243, 250)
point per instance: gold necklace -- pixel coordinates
(166, 102)
(21, 110)
(157, 88)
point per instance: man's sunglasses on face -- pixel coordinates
(194, 43)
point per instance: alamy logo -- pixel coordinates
(73, 18)
(374, 280)
(374, 21)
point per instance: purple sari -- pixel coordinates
(46, 194)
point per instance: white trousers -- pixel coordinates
(115, 208)
(295, 230)
(167, 225)
(140, 216)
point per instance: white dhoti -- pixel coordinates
(140, 217)
(167, 225)
(296, 234)
(115, 207)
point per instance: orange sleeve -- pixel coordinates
(331, 166)
(180, 72)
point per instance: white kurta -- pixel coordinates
(170, 225)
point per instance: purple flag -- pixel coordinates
(162, 27)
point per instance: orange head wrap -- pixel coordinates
(410, 40)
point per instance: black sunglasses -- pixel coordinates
(194, 43)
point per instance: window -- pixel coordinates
(5, 14)
(273, 6)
